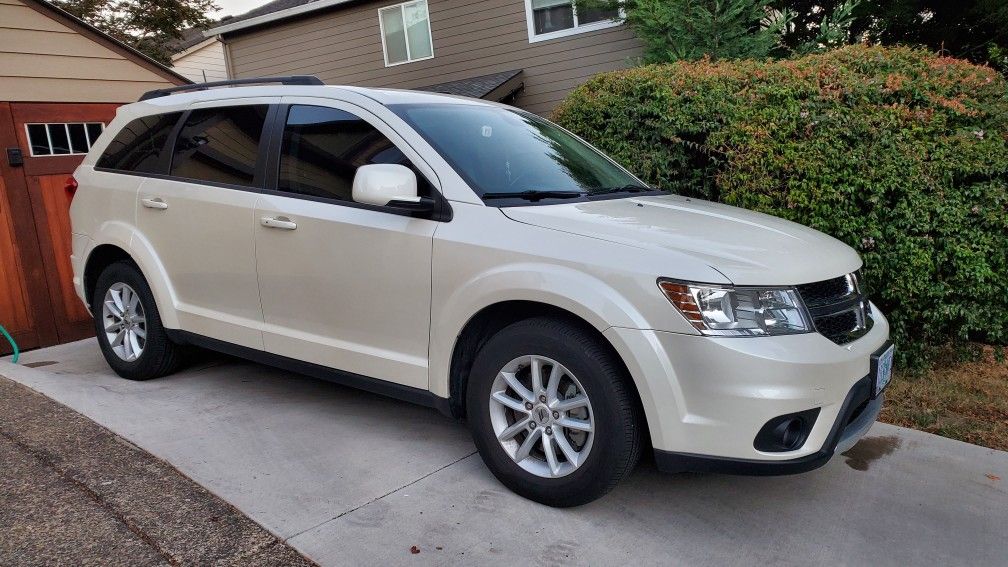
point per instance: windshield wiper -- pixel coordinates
(632, 188)
(535, 195)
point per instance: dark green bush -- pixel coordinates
(897, 152)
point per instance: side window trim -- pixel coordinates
(164, 165)
(275, 126)
(443, 212)
(262, 177)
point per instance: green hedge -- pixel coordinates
(897, 152)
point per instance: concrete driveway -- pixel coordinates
(349, 478)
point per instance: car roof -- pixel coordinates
(381, 95)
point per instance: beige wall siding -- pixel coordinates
(470, 39)
(42, 60)
(203, 64)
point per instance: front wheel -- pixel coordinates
(552, 412)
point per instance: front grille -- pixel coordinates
(838, 308)
(828, 291)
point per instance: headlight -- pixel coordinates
(739, 311)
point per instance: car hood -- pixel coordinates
(749, 248)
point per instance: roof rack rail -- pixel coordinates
(292, 80)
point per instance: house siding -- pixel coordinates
(42, 60)
(203, 64)
(343, 46)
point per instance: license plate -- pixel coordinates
(882, 364)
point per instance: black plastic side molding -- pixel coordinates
(373, 385)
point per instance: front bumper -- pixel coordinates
(858, 413)
(706, 398)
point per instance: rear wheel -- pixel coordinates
(128, 325)
(552, 413)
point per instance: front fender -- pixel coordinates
(576, 292)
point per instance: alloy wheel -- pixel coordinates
(541, 416)
(124, 321)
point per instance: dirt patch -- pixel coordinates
(963, 400)
(74, 493)
(871, 449)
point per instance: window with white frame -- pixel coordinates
(406, 34)
(548, 19)
(62, 139)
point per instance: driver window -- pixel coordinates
(323, 147)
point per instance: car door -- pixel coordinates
(199, 219)
(343, 285)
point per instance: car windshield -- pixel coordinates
(506, 153)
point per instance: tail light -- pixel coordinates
(70, 187)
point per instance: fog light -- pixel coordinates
(786, 432)
(790, 433)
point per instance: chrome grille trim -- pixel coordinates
(839, 309)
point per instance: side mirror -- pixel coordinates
(389, 185)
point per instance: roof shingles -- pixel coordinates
(476, 87)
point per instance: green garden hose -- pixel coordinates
(13, 344)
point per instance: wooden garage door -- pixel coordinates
(15, 314)
(51, 205)
(37, 299)
(24, 291)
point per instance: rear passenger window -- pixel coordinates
(139, 146)
(323, 147)
(220, 145)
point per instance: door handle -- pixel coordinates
(155, 203)
(283, 223)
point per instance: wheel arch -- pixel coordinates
(144, 259)
(101, 257)
(493, 318)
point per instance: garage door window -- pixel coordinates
(406, 34)
(62, 138)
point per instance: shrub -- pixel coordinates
(897, 152)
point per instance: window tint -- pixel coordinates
(323, 147)
(220, 144)
(139, 145)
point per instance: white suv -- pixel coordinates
(480, 260)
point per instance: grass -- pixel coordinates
(964, 400)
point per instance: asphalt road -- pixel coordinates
(347, 477)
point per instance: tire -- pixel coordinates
(158, 356)
(586, 364)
